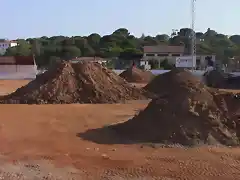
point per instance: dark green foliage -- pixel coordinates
(123, 45)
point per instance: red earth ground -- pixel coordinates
(47, 142)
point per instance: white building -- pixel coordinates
(171, 54)
(202, 61)
(162, 52)
(4, 44)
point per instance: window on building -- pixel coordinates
(198, 61)
(149, 54)
(163, 55)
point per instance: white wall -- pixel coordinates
(18, 72)
(197, 73)
(12, 44)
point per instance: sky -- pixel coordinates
(31, 18)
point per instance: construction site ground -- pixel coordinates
(50, 142)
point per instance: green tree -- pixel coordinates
(166, 65)
(122, 44)
(70, 52)
(94, 40)
(22, 49)
(235, 39)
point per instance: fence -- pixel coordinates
(198, 73)
(18, 72)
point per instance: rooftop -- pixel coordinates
(7, 41)
(163, 49)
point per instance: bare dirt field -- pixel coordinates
(8, 86)
(139, 85)
(231, 90)
(50, 142)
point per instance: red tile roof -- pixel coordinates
(16, 60)
(13, 41)
(7, 41)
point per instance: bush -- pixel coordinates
(166, 65)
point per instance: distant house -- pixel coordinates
(161, 52)
(90, 59)
(17, 67)
(170, 53)
(4, 44)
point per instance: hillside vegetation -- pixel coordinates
(121, 43)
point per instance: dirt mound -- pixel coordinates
(215, 79)
(232, 82)
(188, 113)
(173, 81)
(84, 82)
(222, 80)
(136, 75)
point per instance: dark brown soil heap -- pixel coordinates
(222, 80)
(187, 113)
(135, 75)
(172, 82)
(232, 82)
(215, 79)
(84, 82)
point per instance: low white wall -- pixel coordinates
(157, 72)
(17, 72)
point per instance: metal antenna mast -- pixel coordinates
(193, 49)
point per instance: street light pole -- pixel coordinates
(193, 48)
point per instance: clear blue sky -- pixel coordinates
(32, 18)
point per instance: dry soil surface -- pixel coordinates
(231, 90)
(139, 85)
(50, 142)
(9, 86)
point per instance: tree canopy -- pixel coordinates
(121, 43)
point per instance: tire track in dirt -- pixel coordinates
(143, 172)
(196, 168)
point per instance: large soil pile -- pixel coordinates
(84, 82)
(218, 79)
(232, 82)
(135, 75)
(186, 112)
(172, 82)
(215, 79)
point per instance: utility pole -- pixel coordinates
(193, 47)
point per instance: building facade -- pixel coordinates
(162, 52)
(4, 44)
(171, 53)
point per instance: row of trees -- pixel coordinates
(122, 44)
